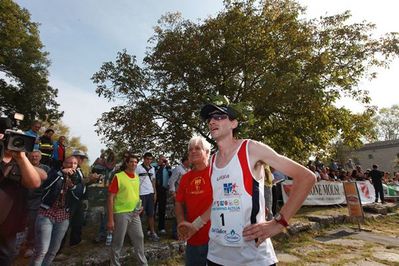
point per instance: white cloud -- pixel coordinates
(82, 109)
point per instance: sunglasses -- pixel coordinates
(217, 117)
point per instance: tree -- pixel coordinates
(24, 85)
(284, 73)
(387, 123)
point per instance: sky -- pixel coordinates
(81, 35)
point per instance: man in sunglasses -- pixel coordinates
(239, 233)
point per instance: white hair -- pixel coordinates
(198, 140)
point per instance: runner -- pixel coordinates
(239, 234)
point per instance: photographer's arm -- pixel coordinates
(31, 176)
(91, 179)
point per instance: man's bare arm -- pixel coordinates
(110, 207)
(31, 176)
(303, 178)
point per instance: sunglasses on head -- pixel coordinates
(217, 116)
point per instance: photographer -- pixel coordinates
(17, 175)
(63, 190)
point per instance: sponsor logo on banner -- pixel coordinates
(365, 190)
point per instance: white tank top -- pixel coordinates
(238, 201)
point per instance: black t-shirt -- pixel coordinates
(376, 175)
(16, 199)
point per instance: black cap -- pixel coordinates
(210, 108)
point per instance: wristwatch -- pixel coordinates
(279, 218)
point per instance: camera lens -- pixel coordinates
(18, 142)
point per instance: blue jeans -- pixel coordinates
(48, 237)
(196, 255)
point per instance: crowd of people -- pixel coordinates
(220, 204)
(225, 204)
(351, 172)
(42, 193)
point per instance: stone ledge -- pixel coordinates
(153, 252)
(164, 250)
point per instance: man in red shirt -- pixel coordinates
(195, 196)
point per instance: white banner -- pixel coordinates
(331, 193)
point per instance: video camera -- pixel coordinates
(13, 139)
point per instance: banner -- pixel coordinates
(331, 193)
(391, 190)
(353, 199)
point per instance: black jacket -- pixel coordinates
(52, 188)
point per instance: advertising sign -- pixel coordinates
(353, 199)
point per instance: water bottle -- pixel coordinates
(108, 241)
(139, 205)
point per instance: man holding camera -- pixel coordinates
(17, 175)
(63, 191)
(77, 213)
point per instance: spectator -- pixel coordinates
(376, 177)
(17, 175)
(77, 216)
(349, 165)
(396, 179)
(177, 173)
(110, 163)
(174, 182)
(353, 176)
(99, 165)
(313, 169)
(62, 191)
(386, 177)
(162, 174)
(34, 201)
(59, 152)
(102, 231)
(268, 194)
(333, 165)
(46, 147)
(148, 193)
(278, 178)
(34, 132)
(360, 173)
(324, 173)
(195, 196)
(332, 175)
(342, 175)
(319, 165)
(124, 204)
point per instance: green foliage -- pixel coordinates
(387, 123)
(23, 84)
(283, 72)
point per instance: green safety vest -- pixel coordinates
(128, 195)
